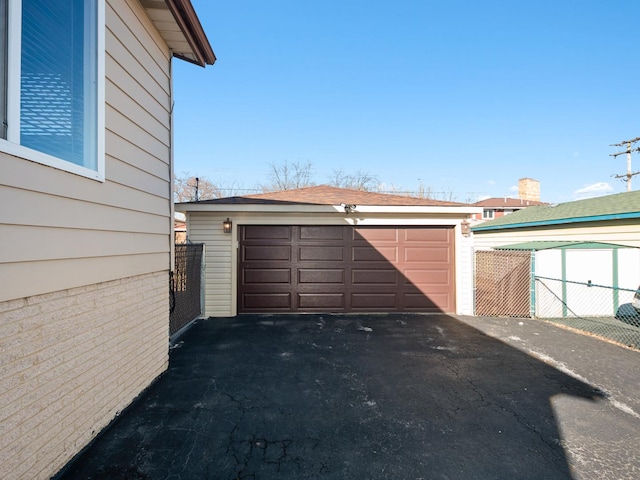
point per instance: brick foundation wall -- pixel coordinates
(70, 361)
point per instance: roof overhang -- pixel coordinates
(564, 245)
(179, 26)
(313, 208)
(558, 221)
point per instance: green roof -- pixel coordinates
(611, 207)
(546, 245)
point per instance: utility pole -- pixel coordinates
(197, 183)
(627, 143)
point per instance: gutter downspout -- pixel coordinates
(172, 247)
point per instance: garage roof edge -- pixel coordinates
(551, 244)
(314, 208)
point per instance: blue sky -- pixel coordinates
(465, 97)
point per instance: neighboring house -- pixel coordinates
(493, 208)
(326, 249)
(86, 185)
(610, 219)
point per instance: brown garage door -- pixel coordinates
(345, 269)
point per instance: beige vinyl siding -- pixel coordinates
(80, 231)
(220, 281)
(221, 251)
(620, 232)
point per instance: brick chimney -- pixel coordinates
(529, 189)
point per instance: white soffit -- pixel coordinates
(182, 44)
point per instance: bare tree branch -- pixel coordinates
(357, 181)
(288, 176)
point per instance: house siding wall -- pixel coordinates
(221, 257)
(98, 231)
(84, 266)
(615, 231)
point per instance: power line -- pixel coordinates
(629, 175)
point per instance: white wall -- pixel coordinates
(619, 232)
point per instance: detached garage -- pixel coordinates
(331, 250)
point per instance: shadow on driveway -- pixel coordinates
(333, 396)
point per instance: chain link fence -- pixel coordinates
(186, 285)
(506, 286)
(597, 309)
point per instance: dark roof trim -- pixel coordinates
(559, 221)
(188, 21)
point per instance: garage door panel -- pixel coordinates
(371, 235)
(321, 253)
(427, 254)
(429, 235)
(374, 277)
(323, 301)
(321, 276)
(373, 301)
(419, 302)
(259, 276)
(322, 233)
(266, 301)
(427, 277)
(373, 254)
(255, 253)
(266, 232)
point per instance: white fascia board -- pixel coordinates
(194, 207)
(415, 209)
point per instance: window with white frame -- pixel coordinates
(487, 213)
(52, 83)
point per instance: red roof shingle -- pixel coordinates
(327, 195)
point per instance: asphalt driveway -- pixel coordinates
(381, 396)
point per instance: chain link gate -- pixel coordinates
(186, 285)
(503, 283)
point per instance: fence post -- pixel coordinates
(532, 285)
(563, 257)
(203, 291)
(616, 295)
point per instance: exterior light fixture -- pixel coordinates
(348, 208)
(227, 226)
(465, 228)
